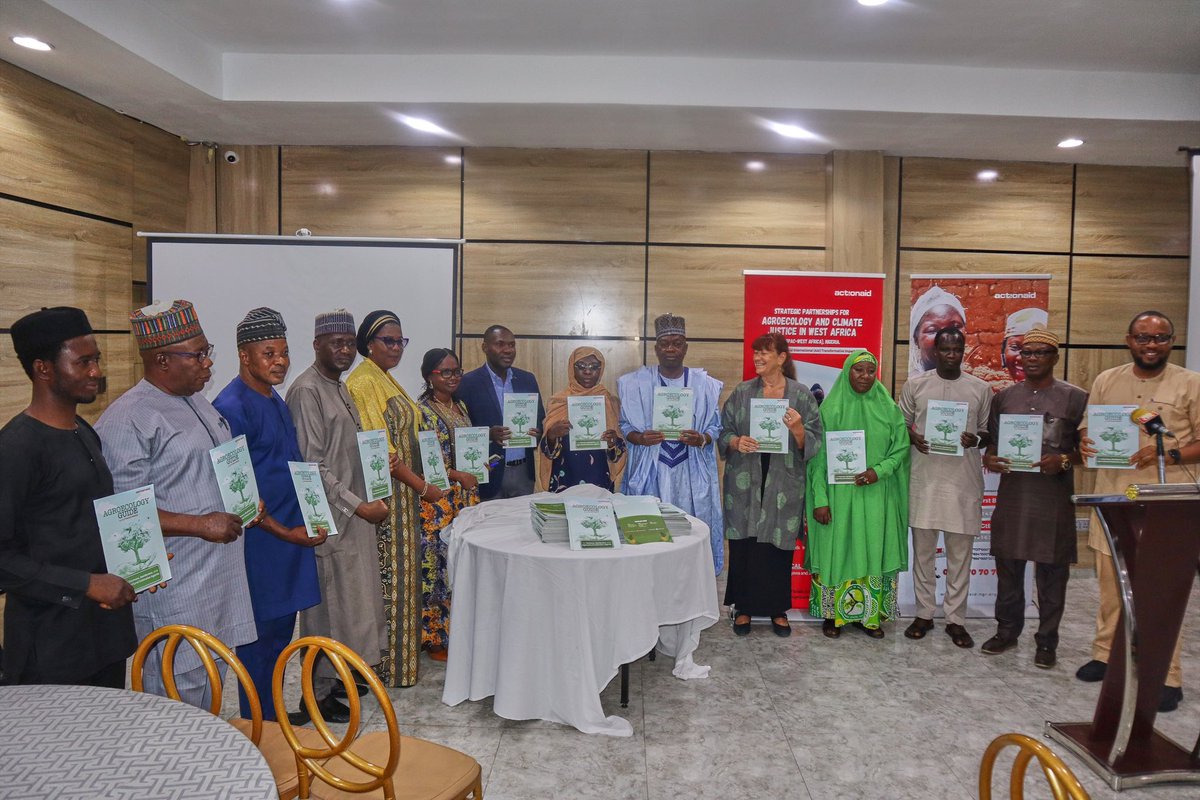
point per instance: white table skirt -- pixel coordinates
(544, 628)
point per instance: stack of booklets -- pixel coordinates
(675, 518)
(639, 519)
(549, 521)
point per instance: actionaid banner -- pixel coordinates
(994, 313)
(824, 316)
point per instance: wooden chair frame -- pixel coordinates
(1063, 783)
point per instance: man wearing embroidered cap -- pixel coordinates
(1015, 327)
(327, 424)
(67, 620)
(280, 565)
(682, 471)
(160, 432)
(1034, 519)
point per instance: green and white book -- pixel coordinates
(766, 424)
(587, 418)
(673, 410)
(591, 525)
(1019, 440)
(1115, 435)
(235, 476)
(520, 414)
(373, 453)
(314, 505)
(845, 455)
(132, 537)
(945, 423)
(639, 519)
(432, 463)
(471, 451)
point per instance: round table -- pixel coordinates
(68, 742)
(543, 628)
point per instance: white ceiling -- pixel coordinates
(992, 80)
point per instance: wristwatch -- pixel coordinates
(1175, 455)
(1064, 462)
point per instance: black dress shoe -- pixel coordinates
(331, 710)
(781, 630)
(1092, 671)
(918, 628)
(998, 644)
(1044, 658)
(1169, 699)
(958, 634)
(339, 691)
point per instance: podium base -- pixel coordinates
(1155, 760)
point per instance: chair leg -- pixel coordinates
(651, 656)
(624, 686)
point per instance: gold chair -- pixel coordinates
(1063, 783)
(384, 763)
(266, 736)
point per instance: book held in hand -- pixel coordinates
(132, 537)
(471, 451)
(373, 453)
(766, 424)
(673, 410)
(1115, 435)
(1020, 441)
(310, 492)
(845, 455)
(432, 464)
(235, 477)
(587, 418)
(945, 423)
(520, 414)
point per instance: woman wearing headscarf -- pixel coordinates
(559, 466)
(858, 533)
(933, 310)
(383, 403)
(442, 413)
(764, 492)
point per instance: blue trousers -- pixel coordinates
(259, 658)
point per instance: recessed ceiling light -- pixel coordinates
(871, 2)
(790, 131)
(423, 125)
(755, 166)
(453, 159)
(987, 175)
(1072, 142)
(32, 43)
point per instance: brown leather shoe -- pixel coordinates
(831, 629)
(918, 628)
(958, 634)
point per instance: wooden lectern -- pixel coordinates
(1153, 533)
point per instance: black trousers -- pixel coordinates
(1051, 582)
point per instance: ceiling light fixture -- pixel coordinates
(871, 2)
(32, 43)
(423, 125)
(790, 131)
(987, 175)
(755, 166)
(453, 159)
(1068, 143)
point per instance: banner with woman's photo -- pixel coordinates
(994, 312)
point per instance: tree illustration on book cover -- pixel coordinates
(472, 455)
(673, 413)
(133, 539)
(587, 423)
(1113, 436)
(594, 524)
(521, 419)
(238, 481)
(846, 457)
(316, 520)
(1020, 441)
(945, 427)
(433, 460)
(770, 424)
(377, 464)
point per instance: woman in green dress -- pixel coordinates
(858, 532)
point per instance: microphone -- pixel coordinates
(1150, 421)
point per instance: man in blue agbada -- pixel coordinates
(858, 532)
(281, 567)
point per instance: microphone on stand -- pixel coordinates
(1150, 421)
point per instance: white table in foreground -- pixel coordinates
(85, 742)
(543, 628)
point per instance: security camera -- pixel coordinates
(231, 157)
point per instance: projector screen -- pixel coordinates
(226, 276)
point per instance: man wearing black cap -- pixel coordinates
(67, 619)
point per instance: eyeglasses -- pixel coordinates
(342, 344)
(447, 373)
(583, 366)
(392, 341)
(197, 356)
(1037, 354)
(1157, 338)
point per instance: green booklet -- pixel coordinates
(132, 537)
(306, 480)
(945, 423)
(235, 476)
(373, 455)
(766, 424)
(433, 465)
(1020, 441)
(1115, 435)
(471, 451)
(845, 456)
(587, 417)
(639, 519)
(591, 525)
(673, 410)
(520, 414)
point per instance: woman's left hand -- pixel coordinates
(792, 419)
(866, 478)
(465, 479)
(611, 436)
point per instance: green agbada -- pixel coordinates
(867, 536)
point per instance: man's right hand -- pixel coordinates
(1087, 447)
(219, 527)
(373, 513)
(110, 591)
(918, 441)
(499, 434)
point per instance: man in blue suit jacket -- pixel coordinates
(483, 391)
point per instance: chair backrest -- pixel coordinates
(1063, 783)
(205, 644)
(346, 663)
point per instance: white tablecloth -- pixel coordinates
(85, 742)
(544, 628)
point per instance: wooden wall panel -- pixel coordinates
(855, 212)
(48, 258)
(566, 195)
(1131, 210)
(534, 355)
(704, 284)
(722, 360)
(1028, 207)
(1108, 292)
(161, 164)
(372, 191)
(202, 190)
(712, 198)
(118, 354)
(248, 191)
(554, 290)
(1085, 365)
(58, 147)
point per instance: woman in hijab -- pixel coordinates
(933, 310)
(560, 466)
(858, 533)
(383, 403)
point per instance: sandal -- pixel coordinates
(919, 628)
(874, 633)
(741, 628)
(831, 629)
(958, 634)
